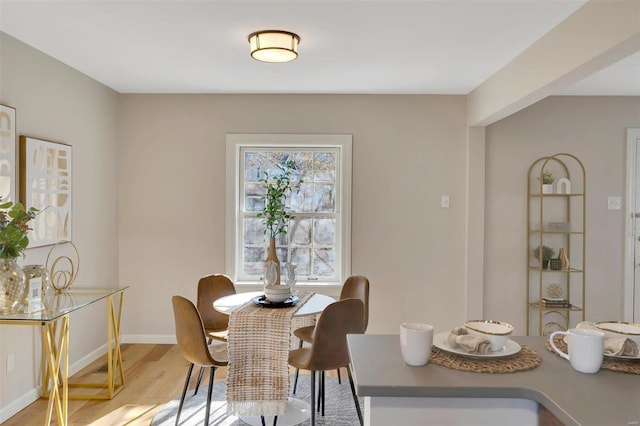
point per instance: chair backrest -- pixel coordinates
(210, 288)
(357, 287)
(190, 332)
(329, 349)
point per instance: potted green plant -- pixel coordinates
(547, 178)
(14, 226)
(275, 214)
(547, 254)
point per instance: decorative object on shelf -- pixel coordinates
(564, 260)
(275, 214)
(14, 228)
(547, 254)
(556, 227)
(553, 290)
(45, 183)
(7, 153)
(554, 321)
(555, 264)
(547, 179)
(563, 186)
(63, 264)
(550, 327)
(555, 303)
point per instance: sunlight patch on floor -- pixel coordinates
(126, 415)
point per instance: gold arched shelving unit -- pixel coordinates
(556, 219)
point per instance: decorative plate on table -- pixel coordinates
(440, 342)
(288, 302)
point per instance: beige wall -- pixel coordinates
(407, 152)
(594, 130)
(55, 102)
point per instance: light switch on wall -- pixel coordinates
(614, 203)
(445, 201)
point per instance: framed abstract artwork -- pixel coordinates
(7, 153)
(46, 184)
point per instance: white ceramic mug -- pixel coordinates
(415, 343)
(586, 348)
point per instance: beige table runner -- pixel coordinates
(258, 378)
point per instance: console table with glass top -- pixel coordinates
(54, 323)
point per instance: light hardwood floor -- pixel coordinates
(154, 375)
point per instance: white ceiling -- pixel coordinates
(404, 47)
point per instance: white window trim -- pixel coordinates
(236, 141)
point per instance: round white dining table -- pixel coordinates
(314, 306)
(298, 411)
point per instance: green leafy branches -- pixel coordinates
(547, 177)
(14, 226)
(275, 214)
(547, 253)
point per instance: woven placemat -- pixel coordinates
(622, 365)
(526, 359)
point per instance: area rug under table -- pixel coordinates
(339, 407)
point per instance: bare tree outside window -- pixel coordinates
(310, 239)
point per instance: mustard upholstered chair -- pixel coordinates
(193, 346)
(211, 288)
(329, 348)
(355, 287)
(216, 324)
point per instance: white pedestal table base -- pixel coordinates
(297, 412)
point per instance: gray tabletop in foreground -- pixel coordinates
(604, 398)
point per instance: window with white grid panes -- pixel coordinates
(317, 241)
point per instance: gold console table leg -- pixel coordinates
(55, 368)
(114, 357)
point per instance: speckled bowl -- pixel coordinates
(277, 293)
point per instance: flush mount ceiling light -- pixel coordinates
(274, 46)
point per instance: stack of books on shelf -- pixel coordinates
(548, 302)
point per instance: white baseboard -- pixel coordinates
(87, 359)
(168, 339)
(33, 394)
(18, 404)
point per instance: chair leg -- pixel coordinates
(200, 374)
(313, 398)
(195, 392)
(319, 390)
(355, 398)
(275, 421)
(323, 393)
(339, 378)
(295, 381)
(210, 391)
(184, 392)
